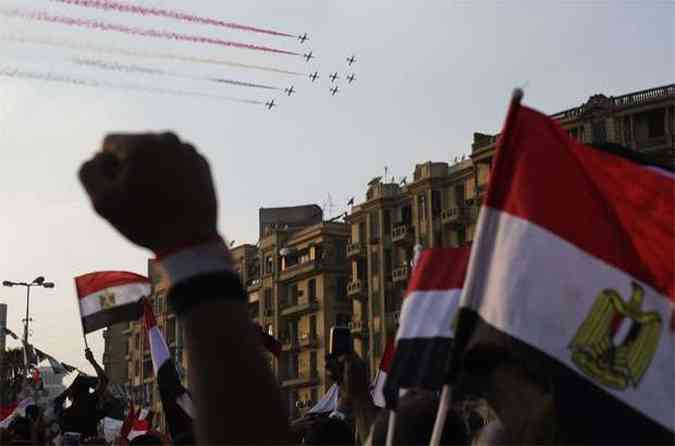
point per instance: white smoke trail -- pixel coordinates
(53, 77)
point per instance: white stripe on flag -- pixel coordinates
(159, 351)
(520, 273)
(327, 403)
(378, 389)
(123, 295)
(428, 314)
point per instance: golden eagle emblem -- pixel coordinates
(107, 300)
(616, 342)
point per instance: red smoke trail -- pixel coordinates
(51, 77)
(145, 11)
(116, 66)
(94, 24)
(141, 54)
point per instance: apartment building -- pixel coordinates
(296, 280)
(440, 207)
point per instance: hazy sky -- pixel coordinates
(429, 74)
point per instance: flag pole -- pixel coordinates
(391, 426)
(441, 416)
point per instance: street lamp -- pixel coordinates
(40, 282)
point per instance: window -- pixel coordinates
(147, 368)
(436, 203)
(313, 363)
(171, 330)
(292, 294)
(314, 395)
(312, 326)
(362, 232)
(374, 225)
(461, 236)
(340, 288)
(656, 125)
(137, 368)
(406, 215)
(386, 222)
(269, 264)
(375, 263)
(377, 340)
(268, 299)
(599, 132)
(387, 262)
(137, 341)
(422, 202)
(311, 289)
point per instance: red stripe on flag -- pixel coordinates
(440, 269)
(388, 356)
(87, 284)
(607, 206)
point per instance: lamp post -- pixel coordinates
(39, 282)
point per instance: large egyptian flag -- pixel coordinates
(110, 297)
(176, 401)
(425, 332)
(572, 275)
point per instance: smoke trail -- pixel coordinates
(142, 54)
(116, 66)
(51, 77)
(103, 26)
(145, 11)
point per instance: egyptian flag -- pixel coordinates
(424, 336)
(19, 410)
(327, 403)
(572, 275)
(110, 297)
(176, 400)
(377, 387)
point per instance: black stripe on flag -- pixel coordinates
(418, 362)
(584, 412)
(170, 389)
(111, 316)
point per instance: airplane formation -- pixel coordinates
(334, 77)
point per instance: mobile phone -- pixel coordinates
(340, 341)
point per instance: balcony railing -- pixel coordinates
(354, 249)
(452, 215)
(300, 306)
(302, 378)
(400, 233)
(472, 214)
(401, 273)
(357, 326)
(356, 289)
(300, 268)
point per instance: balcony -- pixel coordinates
(301, 379)
(358, 327)
(356, 289)
(472, 214)
(401, 233)
(308, 340)
(354, 250)
(299, 269)
(400, 274)
(452, 216)
(392, 319)
(253, 284)
(300, 307)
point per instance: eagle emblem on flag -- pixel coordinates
(617, 341)
(107, 300)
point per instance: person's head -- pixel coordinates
(148, 438)
(415, 418)
(329, 431)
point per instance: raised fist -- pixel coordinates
(154, 189)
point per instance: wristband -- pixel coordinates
(199, 274)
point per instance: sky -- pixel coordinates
(429, 74)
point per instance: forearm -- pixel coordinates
(236, 396)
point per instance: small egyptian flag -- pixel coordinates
(572, 278)
(110, 297)
(425, 332)
(328, 402)
(377, 392)
(176, 400)
(270, 343)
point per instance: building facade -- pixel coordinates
(296, 280)
(440, 206)
(115, 354)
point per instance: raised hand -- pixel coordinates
(154, 189)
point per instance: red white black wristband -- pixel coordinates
(198, 260)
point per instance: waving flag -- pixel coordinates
(176, 400)
(19, 411)
(424, 336)
(328, 402)
(377, 392)
(572, 275)
(110, 297)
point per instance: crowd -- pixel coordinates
(158, 192)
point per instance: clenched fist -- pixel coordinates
(154, 189)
